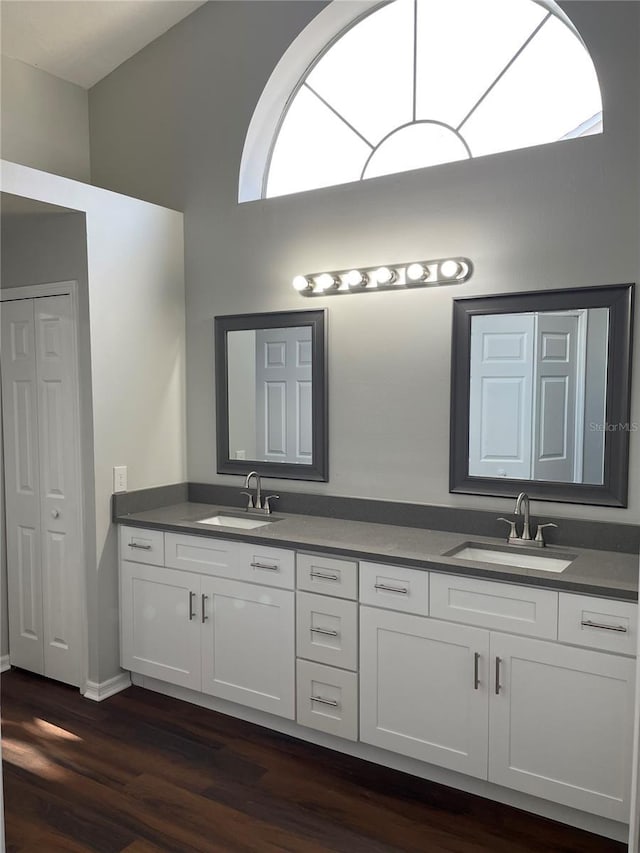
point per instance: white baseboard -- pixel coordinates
(4, 663)
(97, 691)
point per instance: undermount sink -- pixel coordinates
(502, 557)
(244, 522)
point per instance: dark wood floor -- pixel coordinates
(142, 773)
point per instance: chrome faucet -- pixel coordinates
(257, 503)
(522, 501)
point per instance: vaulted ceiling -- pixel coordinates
(84, 40)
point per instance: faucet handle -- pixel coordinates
(250, 499)
(512, 528)
(266, 506)
(540, 535)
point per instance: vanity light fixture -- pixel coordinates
(397, 277)
(418, 272)
(302, 283)
(385, 275)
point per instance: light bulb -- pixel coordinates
(325, 280)
(417, 272)
(355, 278)
(384, 275)
(301, 282)
(450, 269)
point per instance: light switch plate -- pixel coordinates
(120, 478)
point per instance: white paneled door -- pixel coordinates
(284, 430)
(42, 486)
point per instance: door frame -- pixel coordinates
(70, 289)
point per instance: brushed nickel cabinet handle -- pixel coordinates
(265, 566)
(476, 668)
(192, 615)
(498, 662)
(326, 631)
(325, 577)
(204, 611)
(140, 547)
(587, 623)
(386, 588)
(322, 701)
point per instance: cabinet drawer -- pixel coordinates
(202, 554)
(327, 699)
(394, 588)
(327, 630)
(499, 606)
(327, 575)
(267, 566)
(142, 546)
(598, 623)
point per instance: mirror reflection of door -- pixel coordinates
(283, 395)
(537, 395)
(270, 395)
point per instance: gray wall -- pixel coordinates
(169, 126)
(39, 246)
(136, 329)
(44, 121)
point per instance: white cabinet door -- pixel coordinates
(160, 623)
(248, 653)
(561, 724)
(423, 689)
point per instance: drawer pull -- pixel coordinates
(140, 547)
(192, 615)
(401, 589)
(324, 576)
(326, 631)
(265, 566)
(498, 662)
(587, 623)
(322, 701)
(476, 673)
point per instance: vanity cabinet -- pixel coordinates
(520, 686)
(157, 637)
(548, 719)
(221, 636)
(561, 723)
(248, 652)
(327, 644)
(424, 689)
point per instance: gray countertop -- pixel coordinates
(602, 573)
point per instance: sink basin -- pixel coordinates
(511, 557)
(243, 522)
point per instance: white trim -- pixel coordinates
(97, 691)
(36, 291)
(479, 787)
(70, 289)
(5, 663)
(291, 68)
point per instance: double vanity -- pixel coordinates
(435, 652)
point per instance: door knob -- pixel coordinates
(55, 513)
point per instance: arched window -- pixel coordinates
(414, 83)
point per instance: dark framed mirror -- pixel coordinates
(540, 395)
(271, 394)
